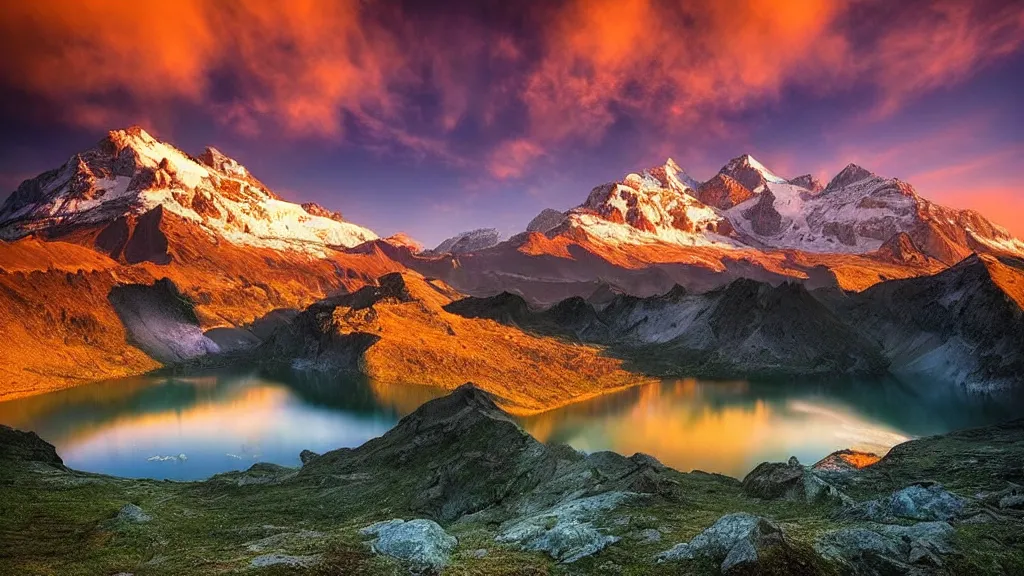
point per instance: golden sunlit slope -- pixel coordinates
(400, 333)
(60, 328)
(547, 269)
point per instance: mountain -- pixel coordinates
(651, 230)
(962, 326)
(130, 173)
(134, 254)
(750, 173)
(859, 211)
(808, 182)
(546, 220)
(470, 241)
(400, 330)
(743, 330)
(723, 192)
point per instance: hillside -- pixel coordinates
(400, 332)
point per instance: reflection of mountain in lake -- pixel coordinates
(729, 427)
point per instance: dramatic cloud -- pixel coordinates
(497, 91)
(572, 70)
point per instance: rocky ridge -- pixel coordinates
(963, 326)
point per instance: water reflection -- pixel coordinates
(188, 428)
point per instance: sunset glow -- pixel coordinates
(391, 110)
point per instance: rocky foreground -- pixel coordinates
(457, 487)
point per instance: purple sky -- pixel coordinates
(436, 119)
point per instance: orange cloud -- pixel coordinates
(512, 157)
(304, 63)
(565, 74)
(678, 67)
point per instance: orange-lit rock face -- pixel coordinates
(63, 331)
(860, 459)
(418, 342)
(723, 192)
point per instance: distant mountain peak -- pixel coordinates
(723, 192)
(469, 241)
(749, 172)
(671, 175)
(808, 182)
(849, 175)
(129, 172)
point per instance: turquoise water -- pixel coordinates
(192, 428)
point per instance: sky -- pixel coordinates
(432, 118)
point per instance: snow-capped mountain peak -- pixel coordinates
(130, 172)
(748, 171)
(808, 182)
(469, 241)
(678, 176)
(849, 175)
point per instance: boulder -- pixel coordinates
(132, 514)
(565, 532)
(920, 501)
(878, 550)
(739, 541)
(789, 481)
(422, 543)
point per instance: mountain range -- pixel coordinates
(135, 255)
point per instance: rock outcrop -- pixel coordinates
(808, 182)
(881, 550)
(923, 501)
(764, 218)
(723, 192)
(546, 220)
(422, 544)
(739, 541)
(160, 321)
(26, 446)
(789, 480)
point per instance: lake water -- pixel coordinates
(192, 428)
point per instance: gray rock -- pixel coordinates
(422, 543)
(1012, 501)
(565, 531)
(922, 501)
(884, 549)
(283, 560)
(307, 456)
(133, 514)
(480, 553)
(789, 481)
(738, 541)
